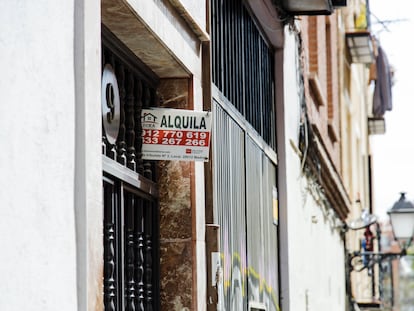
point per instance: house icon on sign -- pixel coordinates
(148, 118)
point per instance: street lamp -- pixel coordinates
(402, 222)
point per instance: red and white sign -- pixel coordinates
(175, 134)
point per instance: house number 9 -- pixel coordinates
(110, 104)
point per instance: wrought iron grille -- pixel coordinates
(137, 90)
(130, 249)
(243, 66)
(131, 212)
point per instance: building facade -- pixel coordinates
(259, 226)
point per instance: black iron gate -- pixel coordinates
(130, 248)
(130, 195)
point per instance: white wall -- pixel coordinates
(37, 163)
(44, 111)
(313, 275)
(88, 158)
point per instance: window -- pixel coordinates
(243, 66)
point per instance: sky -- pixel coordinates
(393, 152)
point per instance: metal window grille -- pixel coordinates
(137, 90)
(243, 66)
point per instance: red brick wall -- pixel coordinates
(320, 48)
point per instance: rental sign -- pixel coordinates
(175, 134)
